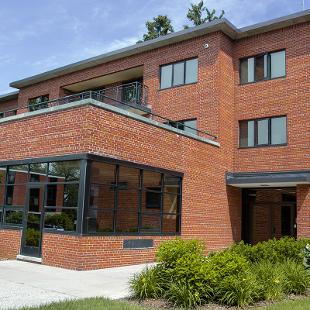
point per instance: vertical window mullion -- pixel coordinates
(269, 131)
(161, 202)
(140, 199)
(115, 197)
(255, 133)
(184, 73)
(172, 76)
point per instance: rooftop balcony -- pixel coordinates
(128, 99)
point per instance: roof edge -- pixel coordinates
(9, 96)
(222, 25)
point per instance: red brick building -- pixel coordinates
(203, 133)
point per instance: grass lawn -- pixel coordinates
(89, 304)
(301, 304)
(103, 304)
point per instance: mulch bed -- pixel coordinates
(163, 304)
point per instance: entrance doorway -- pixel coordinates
(268, 213)
(32, 223)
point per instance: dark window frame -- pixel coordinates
(268, 78)
(269, 144)
(184, 74)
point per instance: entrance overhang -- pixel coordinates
(268, 179)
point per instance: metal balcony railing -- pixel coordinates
(128, 96)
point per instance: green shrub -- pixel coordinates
(306, 253)
(238, 290)
(150, 283)
(270, 278)
(32, 237)
(183, 295)
(169, 252)
(225, 264)
(296, 277)
(272, 250)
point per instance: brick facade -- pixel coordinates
(211, 210)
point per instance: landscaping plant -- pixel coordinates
(238, 276)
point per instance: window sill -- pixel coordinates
(262, 146)
(177, 86)
(265, 80)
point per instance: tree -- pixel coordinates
(195, 14)
(159, 26)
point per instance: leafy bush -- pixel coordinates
(237, 276)
(169, 252)
(62, 220)
(272, 250)
(239, 290)
(32, 237)
(307, 256)
(296, 277)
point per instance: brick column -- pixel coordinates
(303, 211)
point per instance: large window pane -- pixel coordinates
(65, 171)
(151, 179)
(243, 71)
(61, 219)
(2, 175)
(172, 184)
(128, 177)
(13, 216)
(166, 76)
(170, 223)
(251, 72)
(38, 172)
(246, 133)
(18, 174)
(15, 195)
(278, 130)
(262, 131)
(151, 199)
(102, 196)
(102, 173)
(97, 221)
(126, 221)
(191, 71)
(171, 203)
(277, 64)
(150, 223)
(259, 68)
(178, 74)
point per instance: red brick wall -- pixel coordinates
(303, 211)
(8, 105)
(9, 243)
(284, 96)
(208, 212)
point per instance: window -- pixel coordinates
(189, 125)
(263, 132)
(263, 67)
(38, 103)
(179, 73)
(142, 207)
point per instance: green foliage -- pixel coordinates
(60, 220)
(32, 237)
(238, 290)
(159, 26)
(196, 14)
(14, 217)
(237, 276)
(150, 283)
(183, 295)
(271, 280)
(296, 277)
(169, 252)
(272, 250)
(306, 253)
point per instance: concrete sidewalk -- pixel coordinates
(26, 284)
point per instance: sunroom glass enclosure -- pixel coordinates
(87, 196)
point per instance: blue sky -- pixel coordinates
(36, 35)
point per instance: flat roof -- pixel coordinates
(9, 96)
(217, 25)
